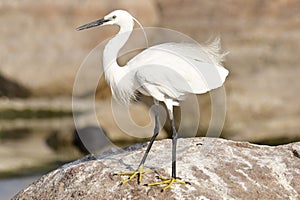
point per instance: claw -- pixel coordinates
(139, 172)
(168, 181)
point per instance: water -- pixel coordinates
(10, 187)
(35, 137)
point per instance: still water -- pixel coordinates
(36, 136)
(10, 187)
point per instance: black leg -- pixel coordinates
(174, 179)
(156, 131)
(140, 169)
(174, 143)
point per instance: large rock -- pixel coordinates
(11, 89)
(216, 169)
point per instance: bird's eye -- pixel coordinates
(114, 17)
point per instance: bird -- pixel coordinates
(168, 72)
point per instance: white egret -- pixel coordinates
(168, 72)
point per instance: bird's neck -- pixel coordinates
(111, 50)
(113, 73)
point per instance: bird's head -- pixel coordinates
(118, 17)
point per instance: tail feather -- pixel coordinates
(213, 48)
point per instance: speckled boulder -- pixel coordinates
(216, 169)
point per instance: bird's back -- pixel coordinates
(209, 53)
(177, 69)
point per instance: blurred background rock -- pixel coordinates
(41, 53)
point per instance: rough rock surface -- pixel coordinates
(216, 169)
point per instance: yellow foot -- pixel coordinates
(168, 181)
(139, 172)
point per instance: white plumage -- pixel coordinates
(165, 71)
(168, 72)
(174, 70)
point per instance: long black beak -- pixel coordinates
(92, 24)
